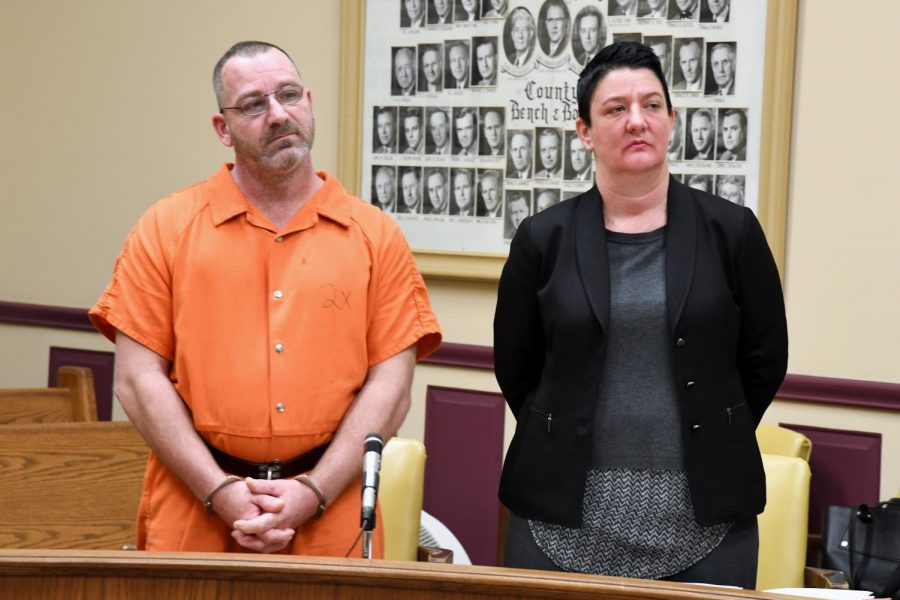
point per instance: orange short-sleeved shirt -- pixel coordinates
(270, 332)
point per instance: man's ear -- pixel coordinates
(221, 128)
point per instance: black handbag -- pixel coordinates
(864, 543)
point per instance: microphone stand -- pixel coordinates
(371, 468)
(367, 544)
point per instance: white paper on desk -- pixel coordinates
(822, 593)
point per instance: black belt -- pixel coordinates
(276, 469)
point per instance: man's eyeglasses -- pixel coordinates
(252, 106)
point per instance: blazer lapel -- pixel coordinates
(590, 251)
(681, 244)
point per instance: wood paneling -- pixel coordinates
(101, 365)
(464, 441)
(70, 485)
(846, 469)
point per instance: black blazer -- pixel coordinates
(729, 338)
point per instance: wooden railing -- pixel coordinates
(84, 575)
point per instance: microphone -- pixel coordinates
(371, 469)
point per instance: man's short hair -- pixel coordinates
(458, 43)
(550, 132)
(703, 112)
(248, 49)
(523, 13)
(726, 46)
(491, 173)
(412, 111)
(465, 112)
(385, 110)
(618, 55)
(742, 117)
(388, 170)
(435, 171)
(486, 41)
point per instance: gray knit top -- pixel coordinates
(638, 516)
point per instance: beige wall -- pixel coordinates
(843, 278)
(106, 108)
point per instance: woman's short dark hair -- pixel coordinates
(618, 55)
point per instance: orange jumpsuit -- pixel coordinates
(270, 334)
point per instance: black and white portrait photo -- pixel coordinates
(493, 131)
(653, 9)
(494, 9)
(553, 28)
(578, 160)
(545, 198)
(412, 13)
(702, 182)
(465, 131)
(519, 152)
(412, 127)
(384, 140)
(548, 162)
(440, 12)
(490, 194)
(431, 67)
(732, 136)
(517, 207)
(628, 36)
(463, 204)
(484, 69)
(588, 34)
(623, 8)
(479, 127)
(403, 71)
(675, 148)
(721, 68)
(438, 131)
(384, 187)
(688, 68)
(466, 10)
(456, 64)
(731, 187)
(519, 37)
(715, 11)
(684, 10)
(662, 48)
(410, 190)
(701, 129)
(437, 189)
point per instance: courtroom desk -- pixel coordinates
(90, 575)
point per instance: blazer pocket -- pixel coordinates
(544, 415)
(732, 413)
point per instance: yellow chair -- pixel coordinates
(400, 496)
(783, 525)
(783, 442)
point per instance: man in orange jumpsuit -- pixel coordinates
(265, 321)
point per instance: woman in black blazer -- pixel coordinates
(639, 336)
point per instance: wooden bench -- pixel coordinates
(73, 400)
(70, 485)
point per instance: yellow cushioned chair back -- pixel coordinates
(400, 496)
(783, 525)
(784, 442)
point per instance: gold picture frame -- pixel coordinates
(781, 31)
